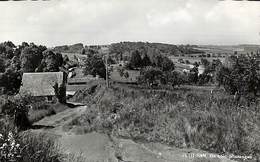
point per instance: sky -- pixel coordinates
(60, 22)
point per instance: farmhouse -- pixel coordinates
(41, 85)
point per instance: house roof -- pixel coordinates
(40, 84)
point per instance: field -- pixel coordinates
(132, 78)
(72, 55)
(195, 59)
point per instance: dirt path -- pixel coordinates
(99, 147)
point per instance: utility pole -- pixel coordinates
(107, 71)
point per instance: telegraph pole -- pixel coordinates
(107, 71)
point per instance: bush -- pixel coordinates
(16, 109)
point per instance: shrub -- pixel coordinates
(10, 149)
(16, 109)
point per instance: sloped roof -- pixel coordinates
(40, 84)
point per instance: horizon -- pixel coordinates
(16, 44)
(65, 22)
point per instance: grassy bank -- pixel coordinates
(183, 118)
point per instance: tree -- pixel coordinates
(2, 65)
(126, 75)
(242, 78)
(65, 59)
(30, 58)
(166, 64)
(59, 59)
(187, 62)
(205, 62)
(221, 74)
(151, 75)
(16, 108)
(9, 44)
(83, 51)
(60, 92)
(146, 61)
(174, 78)
(193, 75)
(7, 49)
(15, 63)
(50, 62)
(110, 60)
(135, 60)
(94, 65)
(196, 64)
(11, 80)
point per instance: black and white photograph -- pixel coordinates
(129, 81)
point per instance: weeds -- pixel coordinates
(210, 121)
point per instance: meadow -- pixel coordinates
(182, 117)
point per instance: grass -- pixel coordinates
(183, 118)
(40, 110)
(42, 147)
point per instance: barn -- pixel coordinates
(41, 85)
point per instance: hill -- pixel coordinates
(166, 49)
(75, 48)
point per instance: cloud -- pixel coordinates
(106, 21)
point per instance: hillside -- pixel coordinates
(167, 49)
(75, 48)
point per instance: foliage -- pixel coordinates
(10, 149)
(167, 49)
(165, 63)
(175, 78)
(122, 72)
(189, 49)
(150, 75)
(135, 60)
(7, 49)
(60, 92)
(16, 110)
(205, 62)
(241, 78)
(50, 62)
(2, 65)
(94, 65)
(75, 48)
(26, 146)
(204, 79)
(11, 80)
(193, 75)
(146, 61)
(31, 57)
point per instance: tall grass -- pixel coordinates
(213, 122)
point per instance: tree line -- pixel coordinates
(27, 57)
